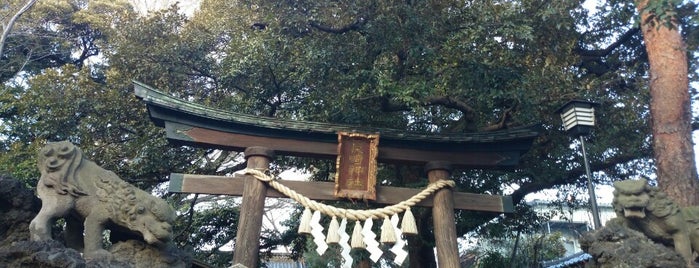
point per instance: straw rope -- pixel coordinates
(350, 214)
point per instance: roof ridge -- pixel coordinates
(155, 97)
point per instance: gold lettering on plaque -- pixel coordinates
(357, 157)
(356, 166)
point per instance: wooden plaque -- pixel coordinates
(356, 166)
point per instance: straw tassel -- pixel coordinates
(357, 237)
(388, 235)
(333, 235)
(305, 225)
(408, 225)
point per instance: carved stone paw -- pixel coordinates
(38, 232)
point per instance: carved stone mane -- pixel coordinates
(58, 175)
(646, 209)
(73, 185)
(124, 201)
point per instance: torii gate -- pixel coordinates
(196, 125)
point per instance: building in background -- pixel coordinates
(571, 223)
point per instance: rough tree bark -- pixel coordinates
(670, 105)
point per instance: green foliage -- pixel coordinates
(435, 66)
(52, 34)
(331, 258)
(531, 250)
(204, 231)
(20, 163)
(662, 13)
(492, 259)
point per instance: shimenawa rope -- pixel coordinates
(351, 214)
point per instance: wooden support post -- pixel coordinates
(247, 241)
(443, 216)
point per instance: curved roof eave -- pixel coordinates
(164, 108)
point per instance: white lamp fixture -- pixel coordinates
(578, 119)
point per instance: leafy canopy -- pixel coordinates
(423, 66)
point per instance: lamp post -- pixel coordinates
(578, 119)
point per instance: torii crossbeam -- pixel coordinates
(192, 124)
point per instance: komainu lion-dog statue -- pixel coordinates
(648, 210)
(91, 199)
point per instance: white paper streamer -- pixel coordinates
(398, 247)
(344, 244)
(370, 240)
(317, 232)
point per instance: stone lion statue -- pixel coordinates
(91, 199)
(648, 210)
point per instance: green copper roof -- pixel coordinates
(157, 98)
(193, 124)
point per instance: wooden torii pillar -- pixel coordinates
(195, 125)
(247, 242)
(443, 216)
(254, 192)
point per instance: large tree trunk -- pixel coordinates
(670, 108)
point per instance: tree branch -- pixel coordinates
(237, 167)
(190, 216)
(329, 29)
(605, 51)
(569, 177)
(388, 106)
(450, 102)
(11, 23)
(506, 114)
(592, 60)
